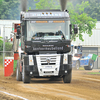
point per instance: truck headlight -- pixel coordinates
(31, 61)
(65, 59)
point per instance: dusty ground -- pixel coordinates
(82, 87)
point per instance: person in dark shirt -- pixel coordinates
(60, 33)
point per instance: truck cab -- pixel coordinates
(46, 45)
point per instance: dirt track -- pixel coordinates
(82, 87)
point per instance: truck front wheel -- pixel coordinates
(18, 74)
(67, 78)
(25, 77)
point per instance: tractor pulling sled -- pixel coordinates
(82, 61)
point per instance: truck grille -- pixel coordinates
(51, 59)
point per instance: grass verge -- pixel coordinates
(94, 73)
(1, 61)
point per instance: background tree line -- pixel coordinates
(10, 9)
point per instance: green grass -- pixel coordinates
(1, 61)
(94, 73)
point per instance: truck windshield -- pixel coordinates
(47, 30)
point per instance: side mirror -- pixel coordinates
(70, 28)
(18, 36)
(18, 30)
(75, 29)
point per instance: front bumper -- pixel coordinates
(64, 70)
(59, 69)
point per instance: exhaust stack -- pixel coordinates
(23, 5)
(63, 4)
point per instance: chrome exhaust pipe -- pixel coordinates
(63, 4)
(23, 5)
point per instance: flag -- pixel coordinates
(94, 57)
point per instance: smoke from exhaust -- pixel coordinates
(63, 4)
(23, 5)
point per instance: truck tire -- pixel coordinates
(90, 65)
(77, 65)
(67, 78)
(25, 77)
(18, 74)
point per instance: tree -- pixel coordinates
(9, 9)
(77, 15)
(1, 42)
(8, 46)
(31, 4)
(47, 4)
(1, 1)
(1, 49)
(92, 10)
(1, 45)
(0, 38)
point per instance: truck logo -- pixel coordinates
(48, 60)
(48, 45)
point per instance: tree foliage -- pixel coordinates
(9, 9)
(93, 10)
(8, 45)
(79, 17)
(47, 4)
(31, 4)
(1, 44)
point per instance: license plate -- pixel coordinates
(48, 66)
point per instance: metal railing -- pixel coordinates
(4, 35)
